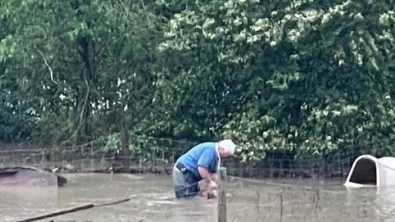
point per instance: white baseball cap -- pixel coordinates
(228, 145)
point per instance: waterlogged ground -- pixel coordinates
(248, 200)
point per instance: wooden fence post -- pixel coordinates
(222, 203)
(125, 150)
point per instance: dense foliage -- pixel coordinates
(300, 76)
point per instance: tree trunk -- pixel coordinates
(125, 149)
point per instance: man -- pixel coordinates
(200, 163)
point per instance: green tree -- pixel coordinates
(83, 67)
(303, 76)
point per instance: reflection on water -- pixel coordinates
(152, 200)
(21, 201)
(385, 203)
(375, 203)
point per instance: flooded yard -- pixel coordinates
(152, 200)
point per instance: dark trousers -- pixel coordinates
(186, 185)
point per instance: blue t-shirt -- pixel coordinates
(203, 155)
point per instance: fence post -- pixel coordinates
(222, 204)
(125, 149)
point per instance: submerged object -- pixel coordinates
(369, 171)
(29, 176)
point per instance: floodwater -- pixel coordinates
(152, 200)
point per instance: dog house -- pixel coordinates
(369, 171)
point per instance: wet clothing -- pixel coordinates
(186, 176)
(186, 185)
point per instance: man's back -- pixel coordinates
(203, 154)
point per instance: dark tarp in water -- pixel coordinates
(27, 176)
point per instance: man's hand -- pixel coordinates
(214, 176)
(212, 186)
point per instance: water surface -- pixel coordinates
(151, 200)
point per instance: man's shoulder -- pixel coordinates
(205, 145)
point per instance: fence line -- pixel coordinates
(282, 185)
(260, 200)
(162, 152)
(267, 168)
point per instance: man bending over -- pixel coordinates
(200, 163)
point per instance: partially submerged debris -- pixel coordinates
(71, 210)
(29, 176)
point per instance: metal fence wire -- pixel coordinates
(159, 155)
(299, 200)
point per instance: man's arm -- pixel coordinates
(210, 183)
(205, 174)
(206, 159)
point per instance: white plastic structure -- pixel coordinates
(369, 171)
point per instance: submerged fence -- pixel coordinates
(305, 200)
(158, 155)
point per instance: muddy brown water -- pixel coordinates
(248, 200)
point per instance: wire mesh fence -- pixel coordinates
(157, 155)
(288, 201)
(306, 200)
